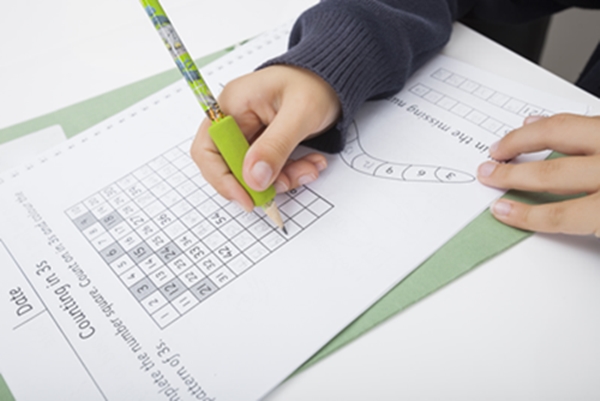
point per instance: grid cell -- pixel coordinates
(222, 277)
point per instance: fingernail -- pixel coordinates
(501, 208)
(321, 166)
(486, 169)
(532, 119)
(494, 146)
(306, 179)
(261, 172)
(280, 187)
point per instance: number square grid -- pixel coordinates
(174, 242)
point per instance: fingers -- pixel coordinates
(269, 153)
(215, 171)
(300, 172)
(276, 108)
(306, 106)
(577, 216)
(568, 175)
(566, 133)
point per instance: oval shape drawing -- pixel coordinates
(359, 160)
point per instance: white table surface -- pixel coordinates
(523, 326)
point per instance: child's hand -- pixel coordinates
(276, 108)
(574, 135)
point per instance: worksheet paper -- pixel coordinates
(14, 152)
(126, 277)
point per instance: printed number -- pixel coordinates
(209, 264)
(158, 241)
(147, 230)
(225, 252)
(204, 289)
(111, 253)
(119, 200)
(139, 252)
(150, 262)
(168, 253)
(119, 229)
(197, 252)
(171, 288)
(134, 191)
(84, 222)
(127, 210)
(137, 220)
(191, 276)
(218, 219)
(164, 219)
(185, 241)
(108, 192)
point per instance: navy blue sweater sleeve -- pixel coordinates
(366, 49)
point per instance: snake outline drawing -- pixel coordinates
(359, 160)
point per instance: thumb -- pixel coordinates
(271, 150)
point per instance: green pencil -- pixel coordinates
(224, 131)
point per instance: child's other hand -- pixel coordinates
(276, 108)
(574, 135)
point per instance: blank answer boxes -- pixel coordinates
(493, 97)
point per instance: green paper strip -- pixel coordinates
(81, 116)
(5, 394)
(479, 241)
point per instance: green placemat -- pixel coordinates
(5, 394)
(483, 238)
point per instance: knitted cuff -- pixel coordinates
(340, 49)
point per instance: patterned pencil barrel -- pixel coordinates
(182, 59)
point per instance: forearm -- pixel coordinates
(366, 49)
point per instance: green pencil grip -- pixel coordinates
(232, 145)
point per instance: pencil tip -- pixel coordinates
(284, 230)
(273, 212)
